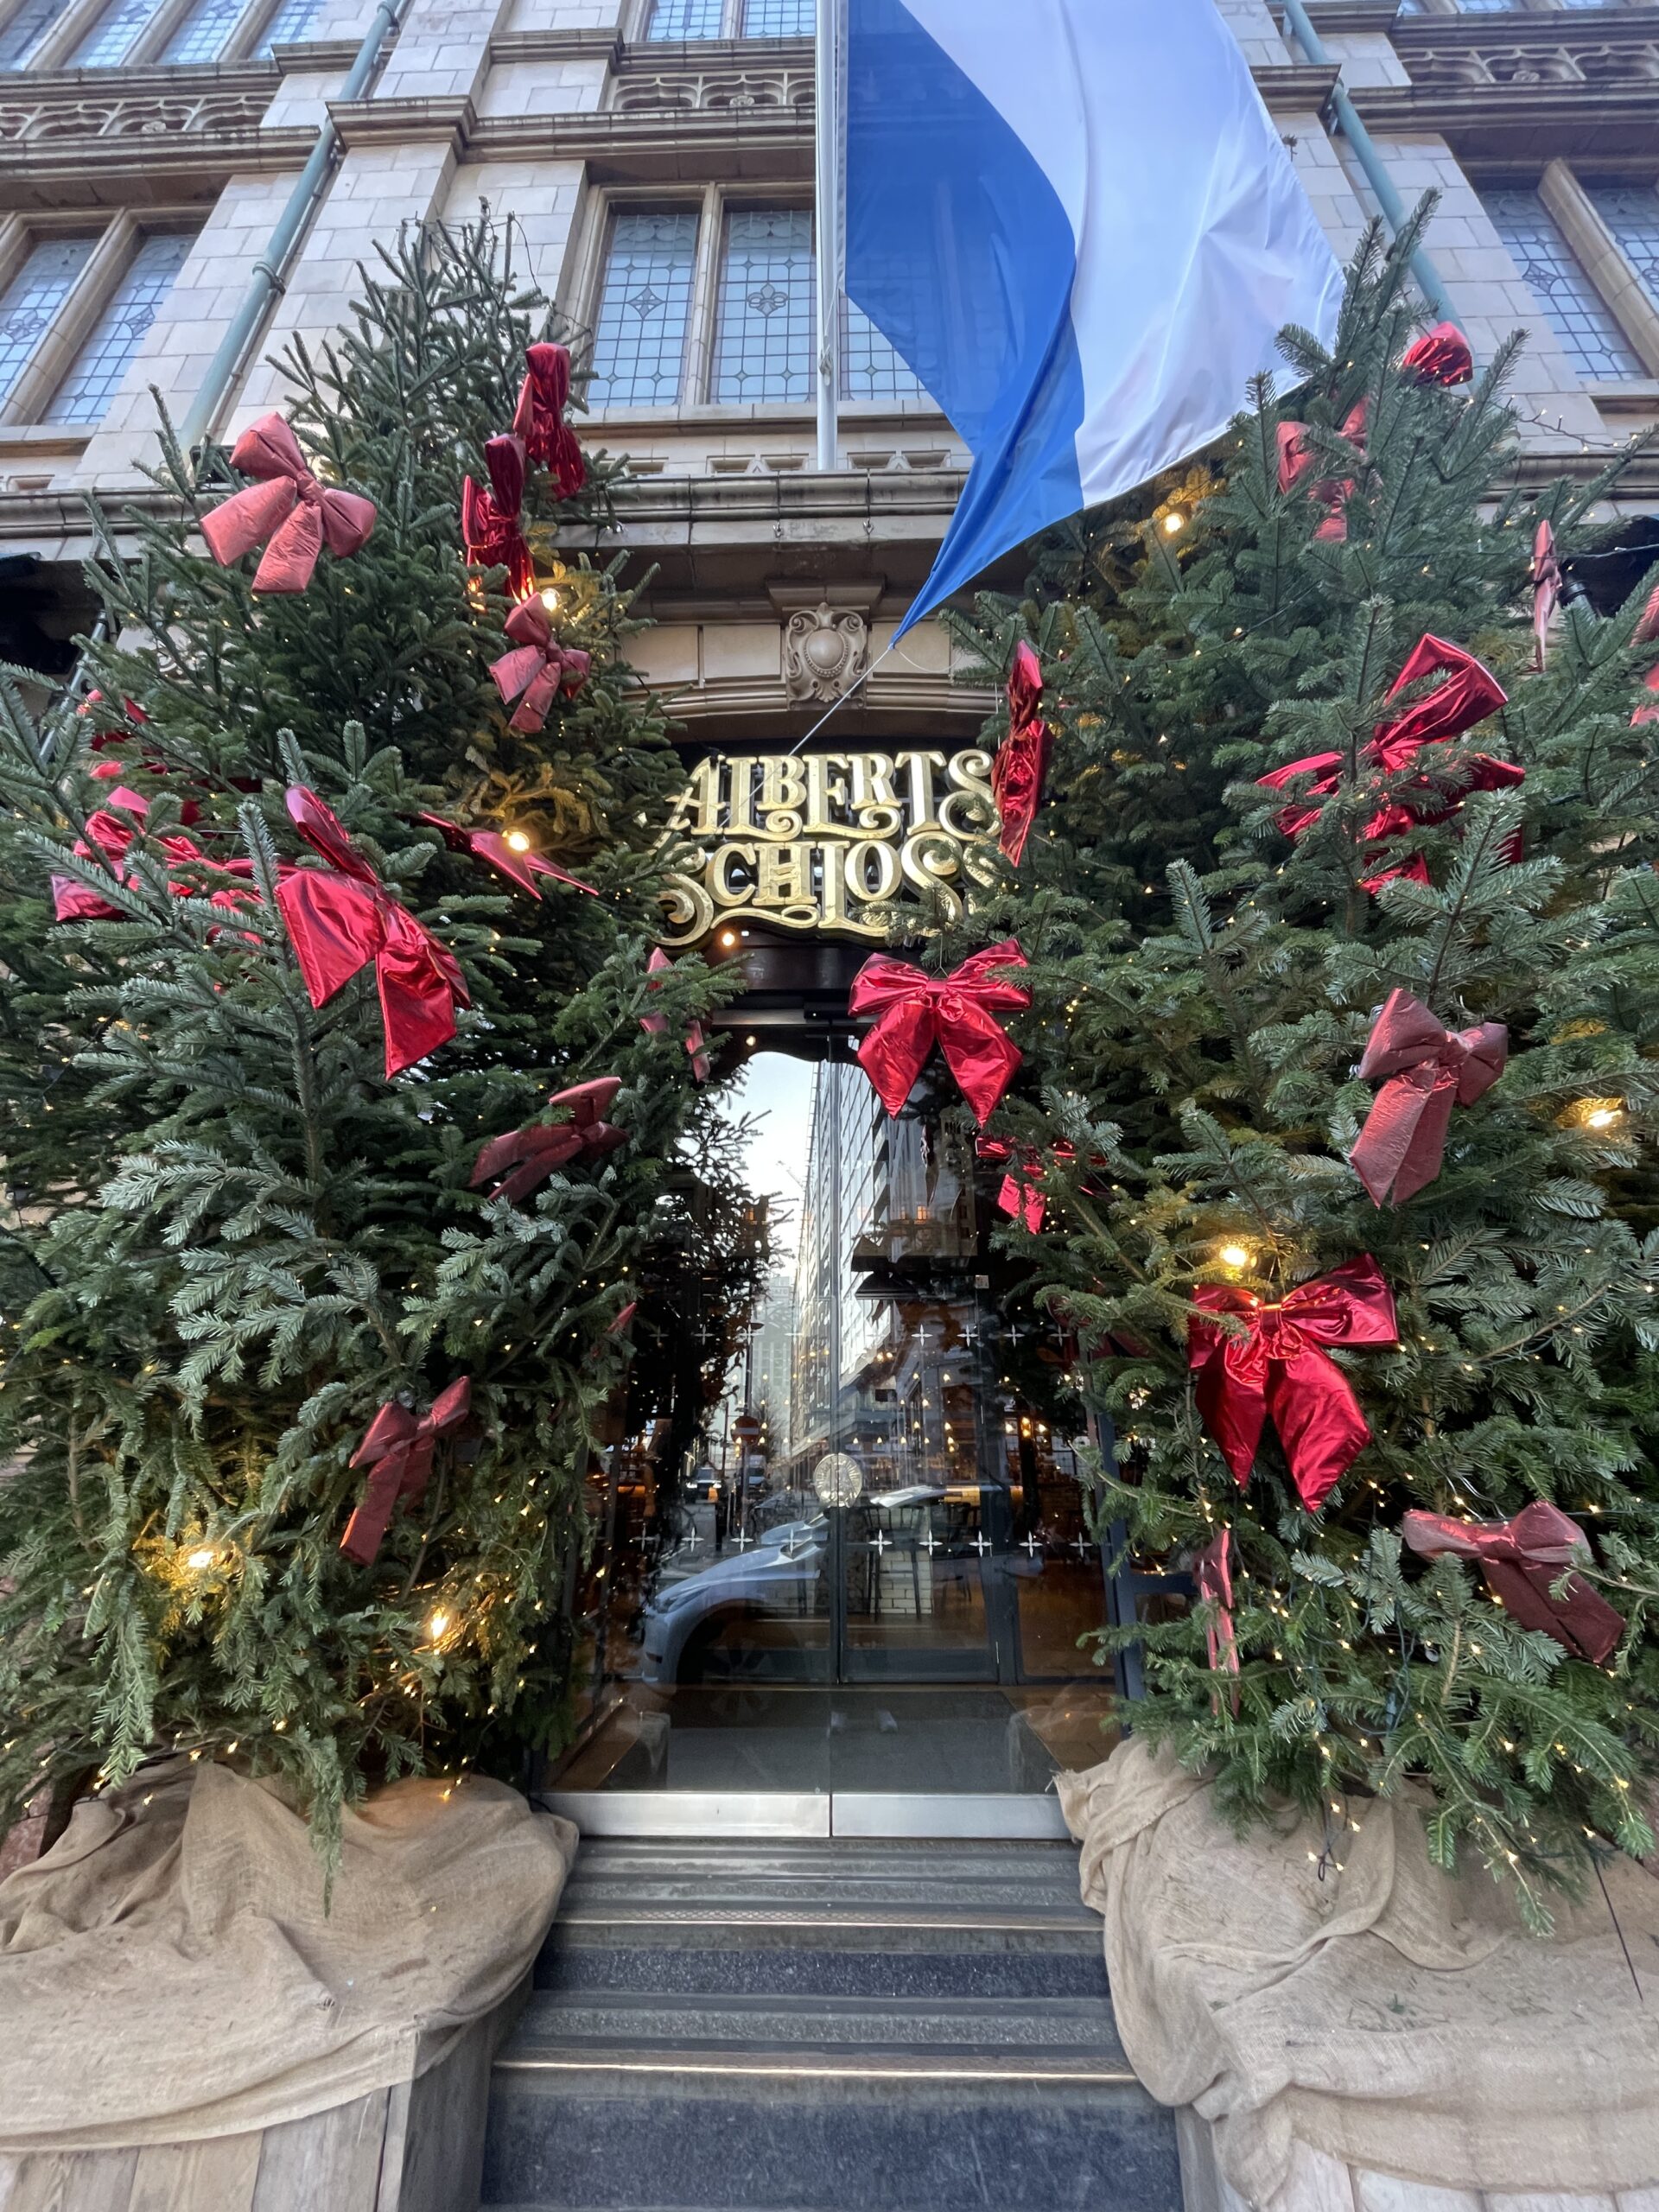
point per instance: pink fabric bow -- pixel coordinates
(1296, 458)
(1021, 762)
(1212, 1577)
(538, 666)
(289, 508)
(528, 1156)
(1427, 1069)
(538, 418)
(1279, 1367)
(1521, 1558)
(492, 849)
(656, 1025)
(915, 1011)
(1439, 356)
(492, 526)
(340, 917)
(1546, 588)
(1646, 632)
(397, 1452)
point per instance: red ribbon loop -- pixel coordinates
(1277, 1367)
(528, 1156)
(492, 849)
(1212, 1575)
(1520, 1558)
(398, 1451)
(1021, 762)
(539, 666)
(491, 522)
(1427, 1070)
(1439, 356)
(288, 507)
(1296, 458)
(1546, 588)
(340, 917)
(656, 1025)
(914, 1011)
(538, 418)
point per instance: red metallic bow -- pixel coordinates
(109, 834)
(398, 1451)
(290, 509)
(1020, 1194)
(1428, 1070)
(1650, 713)
(656, 1025)
(532, 1155)
(1277, 1368)
(538, 418)
(1546, 588)
(341, 916)
(1520, 1558)
(1021, 761)
(1646, 632)
(1212, 1575)
(493, 850)
(538, 665)
(1296, 458)
(492, 526)
(914, 1011)
(1439, 356)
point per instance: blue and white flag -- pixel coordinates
(1075, 222)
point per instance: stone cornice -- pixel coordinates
(417, 120)
(1566, 27)
(61, 174)
(1348, 18)
(309, 54)
(1520, 126)
(666, 147)
(557, 46)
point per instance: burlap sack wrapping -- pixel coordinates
(167, 1971)
(1399, 2020)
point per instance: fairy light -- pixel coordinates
(1173, 521)
(1237, 1256)
(518, 842)
(200, 1560)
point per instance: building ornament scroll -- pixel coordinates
(827, 843)
(825, 653)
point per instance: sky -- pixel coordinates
(777, 1090)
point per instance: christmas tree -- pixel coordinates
(1340, 1089)
(310, 1307)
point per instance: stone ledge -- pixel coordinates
(1527, 123)
(416, 120)
(103, 172)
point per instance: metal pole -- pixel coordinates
(203, 417)
(826, 90)
(1365, 153)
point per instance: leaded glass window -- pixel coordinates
(113, 36)
(203, 32)
(1580, 316)
(644, 308)
(1632, 213)
(763, 320)
(779, 18)
(1488, 7)
(23, 30)
(290, 23)
(869, 368)
(685, 19)
(32, 298)
(92, 383)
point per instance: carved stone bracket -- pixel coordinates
(826, 650)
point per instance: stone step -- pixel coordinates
(1015, 1968)
(563, 2021)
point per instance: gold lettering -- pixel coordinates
(875, 804)
(824, 793)
(860, 880)
(929, 861)
(920, 768)
(740, 796)
(783, 792)
(689, 911)
(971, 811)
(784, 876)
(719, 876)
(698, 810)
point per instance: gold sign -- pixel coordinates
(824, 842)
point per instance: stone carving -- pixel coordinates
(824, 652)
(738, 90)
(1529, 57)
(44, 114)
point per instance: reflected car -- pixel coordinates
(777, 1578)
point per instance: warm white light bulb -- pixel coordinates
(438, 1626)
(1235, 1256)
(200, 1561)
(518, 841)
(1172, 522)
(1602, 1117)
(550, 601)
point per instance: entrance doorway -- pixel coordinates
(863, 1570)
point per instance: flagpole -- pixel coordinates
(827, 226)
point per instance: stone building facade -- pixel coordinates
(654, 159)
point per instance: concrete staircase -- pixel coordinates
(824, 2027)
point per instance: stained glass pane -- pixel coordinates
(291, 21)
(685, 19)
(25, 27)
(114, 34)
(1488, 7)
(92, 383)
(203, 31)
(1580, 316)
(32, 298)
(764, 322)
(869, 368)
(1632, 213)
(779, 18)
(639, 341)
